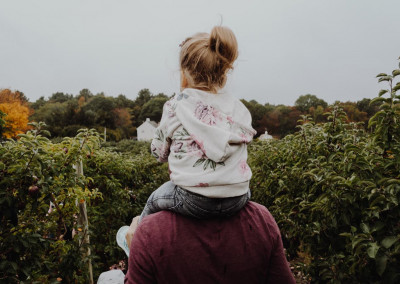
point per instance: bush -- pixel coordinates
(125, 182)
(334, 191)
(38, 245)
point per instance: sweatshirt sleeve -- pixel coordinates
(161, 143)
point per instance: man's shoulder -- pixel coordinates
(260, 213)
(257, 206)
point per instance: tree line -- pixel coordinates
(65, 114)
(280, 120)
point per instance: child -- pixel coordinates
(203, 134)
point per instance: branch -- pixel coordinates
(59, 210)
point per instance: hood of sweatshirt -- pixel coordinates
(218, 123)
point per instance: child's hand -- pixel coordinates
(131, 231)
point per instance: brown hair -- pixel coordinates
(205, 58)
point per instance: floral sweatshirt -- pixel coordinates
(204, 139)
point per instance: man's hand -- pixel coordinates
(131, 231)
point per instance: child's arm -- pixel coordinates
(160, 146)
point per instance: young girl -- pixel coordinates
(203, 134)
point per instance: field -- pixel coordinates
(333, 189)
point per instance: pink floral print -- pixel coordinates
(197, 144)
(207, 114)
(243, 167)
(170, 109)
(202, 185)
(245, 138)
(194, 150)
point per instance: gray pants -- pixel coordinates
(174, 198)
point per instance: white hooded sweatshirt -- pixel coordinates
(204, 137)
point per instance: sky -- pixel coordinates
(287, 48)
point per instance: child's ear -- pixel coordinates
(184, 82)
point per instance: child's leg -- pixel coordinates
(163, 198)
(201, 207)
(230, 206)
(176, 199)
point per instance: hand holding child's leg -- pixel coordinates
(131, 230)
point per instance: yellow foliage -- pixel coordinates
(17, 113)
(7, 96)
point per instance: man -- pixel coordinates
(170, 248)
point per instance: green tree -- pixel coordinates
(38, 103)
(123, 102)
(54, 115)
(305, 102)
(86, 94)
(366, 106)
(257, 111)
(143, 97)
(317, 114)
(153, 109)
(101, 109)
(60, 97)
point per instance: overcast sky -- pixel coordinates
(332, 49)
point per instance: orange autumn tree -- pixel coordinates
(17, 111)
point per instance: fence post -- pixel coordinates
(84, 224)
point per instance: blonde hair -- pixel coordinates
(205, 58)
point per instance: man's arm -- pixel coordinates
(279, 270)
(140, 269)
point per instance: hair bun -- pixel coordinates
(205, 58)
(223, 42)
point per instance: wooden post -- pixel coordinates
(84, 224)
(105, 134)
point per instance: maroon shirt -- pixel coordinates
(246, 248)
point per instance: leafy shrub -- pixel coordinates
(36, 244)
(134, 147)
(334, 191)
(125, 181)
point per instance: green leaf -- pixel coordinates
(381, 264)
(392, 181)
(385, 78)
(382, 92)
(396, 72)
(396, 88)
(381, 75)
(373, 250)
(357, 241)
(213, 164)
(205, 166)
(199, 162)
(365, 228)
(377, 227)
(377, 99)
(389, 241)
